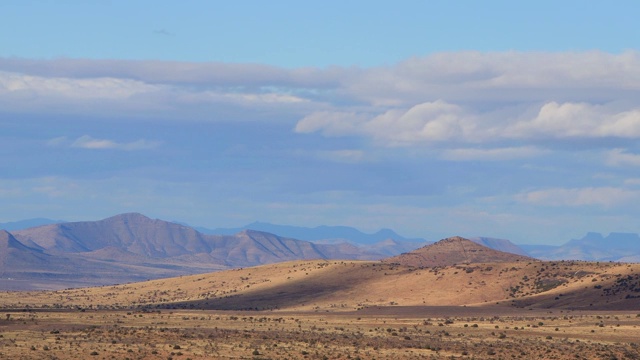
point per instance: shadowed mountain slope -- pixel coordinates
(132, 247)
(23, 267)
(138, 234)
(15, 256)
(452, 251)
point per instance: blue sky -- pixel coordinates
(505, 119)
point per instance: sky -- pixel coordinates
(516, 120)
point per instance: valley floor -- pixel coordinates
(488, 332)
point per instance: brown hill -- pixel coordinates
(452, 251)
(320, 285)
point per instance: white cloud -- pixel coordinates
(564, 120)
(501, 77)
(87, 142)
(619, 157)
(469, 97)
(430, 121)
(425, 122)
(496, 154)
(439, 121)
(601, 196)
(80, 89)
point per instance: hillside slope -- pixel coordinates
(321, 285)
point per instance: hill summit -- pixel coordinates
(452, 251)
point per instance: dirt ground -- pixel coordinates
(371, 333)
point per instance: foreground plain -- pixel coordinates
(385, 333)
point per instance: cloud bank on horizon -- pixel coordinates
(470, 140)
(537, 143)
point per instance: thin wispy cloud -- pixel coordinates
(622, 157)
(576, 197)
(493, 154)
(88, 142)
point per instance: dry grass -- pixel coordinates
(389, 334)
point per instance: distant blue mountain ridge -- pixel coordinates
(317, 233)
(28, 223)
(593, 247)
(616, 246)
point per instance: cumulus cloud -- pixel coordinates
(441, 121)
(470, 97)
(601, 196)
(430, 121)
(578, 120)
(87, 142)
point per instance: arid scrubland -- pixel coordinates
(339, 310)
(410, 334)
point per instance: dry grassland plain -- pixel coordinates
(339, 310)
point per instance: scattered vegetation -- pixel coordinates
(317, 310)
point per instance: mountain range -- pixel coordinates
(623, 247)
(133, 247)
(341, 233)
(27, 223)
